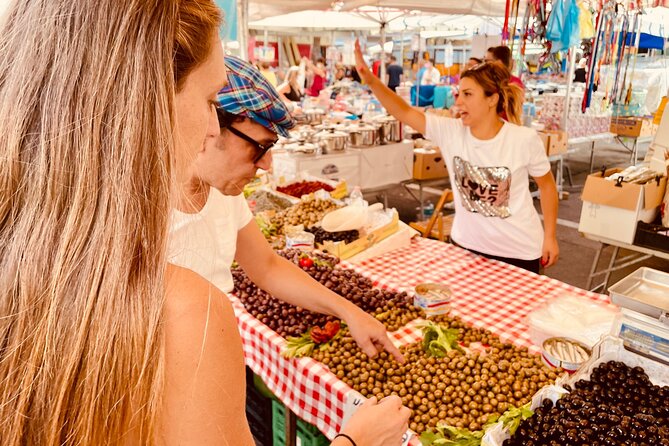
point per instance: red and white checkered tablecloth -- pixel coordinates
(486, 293)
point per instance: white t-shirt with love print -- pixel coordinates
(494, 213)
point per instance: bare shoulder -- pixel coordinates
(204, 399)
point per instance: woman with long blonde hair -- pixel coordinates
(96, 111)
(103, 106)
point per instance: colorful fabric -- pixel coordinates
(248, 93)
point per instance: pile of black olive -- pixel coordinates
(341, 236)
(618, 406)
(393, 309)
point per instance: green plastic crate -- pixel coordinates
(307, 434)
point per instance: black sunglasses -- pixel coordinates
(261, 148)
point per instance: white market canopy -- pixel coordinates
(260, 9)
(371, 18)
(362, 19)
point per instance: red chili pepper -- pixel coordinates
(332, 328)
(318, 336)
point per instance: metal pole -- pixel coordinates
(570, 76)
(243, 28)
(402, 49)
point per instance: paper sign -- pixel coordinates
(353, 401)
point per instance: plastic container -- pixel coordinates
(307, 434)
(573, 317)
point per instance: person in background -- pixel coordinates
(340, 72)
(318, 75)
(421, 71)
(472, 62)
(489, 161)
(213, 225)
(503, 55)
(376, 66)
(352, 74)
(302, 75)
(581, 71)
(266, 70)
(431, 75)
(290, 88)
(394, 74)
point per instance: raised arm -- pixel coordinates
(394, 104)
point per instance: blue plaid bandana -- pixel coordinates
(248, 93)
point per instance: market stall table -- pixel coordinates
(639, 254)
(370, 168)
(486, 293)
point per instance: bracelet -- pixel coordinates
(347, 437)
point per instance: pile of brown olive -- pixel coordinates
(393, 309)
(462, 389)
(618, 406)
(307, 213)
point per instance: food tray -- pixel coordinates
(346, 250)
(645, 291)
(608, 349)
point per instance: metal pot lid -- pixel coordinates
(329, 134)
(297, 147)
(362, 126)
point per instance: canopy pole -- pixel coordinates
(570, 77)
(243, 28)
(402, 50)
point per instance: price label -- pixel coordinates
(353, 401)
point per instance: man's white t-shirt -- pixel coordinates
(206, 242)
(494, 213)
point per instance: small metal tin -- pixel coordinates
(433, 298)
(564, 353)
(301, 240)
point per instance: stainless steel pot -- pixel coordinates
(364, 136)
(391, 130)
(314, 116)
(331, 141)
(301, 148)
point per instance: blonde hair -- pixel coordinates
(86, 114)
(494, 77)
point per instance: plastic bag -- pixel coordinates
(573, 317)
(563, 28)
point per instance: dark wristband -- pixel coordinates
(347, 437)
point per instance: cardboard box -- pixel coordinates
(612, 211)
(555, 142)
(632, 126)
(428, 164)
